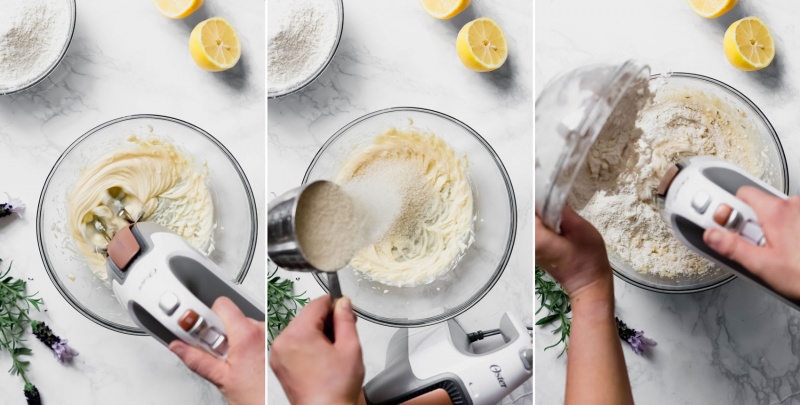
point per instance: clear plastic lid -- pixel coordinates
(570, 112)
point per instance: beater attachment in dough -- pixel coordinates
(118, 209)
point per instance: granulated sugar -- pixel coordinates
(378, 200)
(301, 36)
(328, 226)
(32, 35)
(614, 189)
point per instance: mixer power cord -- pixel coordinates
(479, 335)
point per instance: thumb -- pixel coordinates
(202, 363)
(734, 247)
(344, 325)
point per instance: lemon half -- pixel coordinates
(177, 8)
(749, 45)
(711, 8)
(444, 9)
(214, 45)
(481, 45)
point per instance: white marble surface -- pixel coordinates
(733, 345)
(393, 54)
(125, 59)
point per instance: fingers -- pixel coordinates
(312, 316)
(549, 245)
(735, 247)
(572, 223)
(763, 204)
(231, 316)
(202, 363)
(344, 325)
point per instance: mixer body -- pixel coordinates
(699, 193)
(438, 365)
(168, 287)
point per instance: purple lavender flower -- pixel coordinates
(32, 396)
(11, 206)
(61, 350)
(639, 343)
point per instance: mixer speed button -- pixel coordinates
(169, 303)
(700, 202)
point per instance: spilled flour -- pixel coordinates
(646, 134)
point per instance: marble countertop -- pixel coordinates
(732, 345)
(124, 59)
(393, 54)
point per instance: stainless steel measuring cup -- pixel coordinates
(283, 247)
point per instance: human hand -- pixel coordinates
(577, 257)
(240, 377)
(778, 262)
(311, 368)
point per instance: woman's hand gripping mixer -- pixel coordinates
(166, 285)
(699, 193)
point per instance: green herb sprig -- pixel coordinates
(15, 306)
(282, 304)
(553, 298)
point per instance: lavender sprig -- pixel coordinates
(639, 343)
(61, 350)
(11, 206)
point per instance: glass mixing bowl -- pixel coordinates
(775, 173)
(234, 211)
(310, 79)
(64, 47)
(495, 225)
(573, 108)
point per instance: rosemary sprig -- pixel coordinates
(282, 304)
(553, 298)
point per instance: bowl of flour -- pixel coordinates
(303, 38)
(34, 37)
(669, 117)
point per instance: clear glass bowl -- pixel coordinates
(234, 210)
(571, 111)
(776, 174)
(302, 84)
(34, 81)
(495, 225)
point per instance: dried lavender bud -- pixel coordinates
(11, 206)
(639, 343)
(32, 395)
(59, 346)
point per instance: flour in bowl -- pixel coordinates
(644, 137)
(33, 34)
(301, 36)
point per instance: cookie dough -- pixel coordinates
(158, 180)
(433, 225)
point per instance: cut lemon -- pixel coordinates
(481, 45)
(178, 8)
(214, 45)
(748, 44)
(711, 8)
(444, 9)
